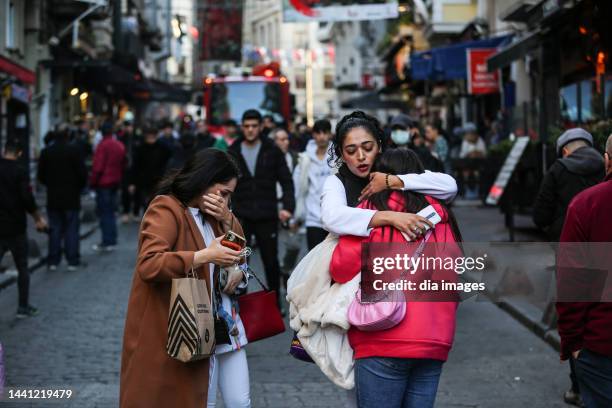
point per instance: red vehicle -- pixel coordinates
(228, 97)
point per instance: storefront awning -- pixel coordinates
(21, 73)
(513, 51)
(447, 63)
(165, 92)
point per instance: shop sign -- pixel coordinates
(17, 92)
(480, 81)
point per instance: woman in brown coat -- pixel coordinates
(170, 244)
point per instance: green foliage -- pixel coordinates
(502, 148)
(600, 131)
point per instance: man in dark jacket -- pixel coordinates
(16, 200)
(106, 174)
(262, 165)
(579, 167)
(585, 322)
(127, 136)
(204, 139)
(150, 160)
(62, 170)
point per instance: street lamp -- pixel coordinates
(74, 91)
(83, 96)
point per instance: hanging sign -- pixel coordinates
(480, 81)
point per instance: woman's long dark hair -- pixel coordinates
(202, 170)
(405, 161)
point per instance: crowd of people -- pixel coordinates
(361, 182)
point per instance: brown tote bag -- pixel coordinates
(191, 328)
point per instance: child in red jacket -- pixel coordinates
(401, 366)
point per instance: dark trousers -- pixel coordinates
(314, 236)
(266, 234)
(573, 378)
(106, 202)
(143, 196)
(18, 246)
(63, 229)
(129, 202)
(594, 372)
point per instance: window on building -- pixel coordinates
(608, 101)
(581, 102)
(568, 99)
(10, 24)
(328, 80)
(587, 113)
(300, 80)
(262, 36)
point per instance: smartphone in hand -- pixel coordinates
(233, 241)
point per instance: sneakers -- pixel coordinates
(52, 267)
(103, 248)
(72, 268)
(26, 311)
(573, 398)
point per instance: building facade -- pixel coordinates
(308, 64)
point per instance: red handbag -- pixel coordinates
(260, 314)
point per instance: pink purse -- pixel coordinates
(386, 312)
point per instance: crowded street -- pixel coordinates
(492, 365)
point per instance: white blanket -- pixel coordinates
(318, 313)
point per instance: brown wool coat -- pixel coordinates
(168, 239)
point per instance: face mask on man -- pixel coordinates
(400, 137)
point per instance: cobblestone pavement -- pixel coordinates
(76, 342)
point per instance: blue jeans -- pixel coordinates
(396, 382)
(594, 372)
(63, 227)
(106, 201)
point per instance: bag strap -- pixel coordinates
(264, 287)
(419, 249)
(193, 273)
(247, 269)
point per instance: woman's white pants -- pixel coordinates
(230, 373)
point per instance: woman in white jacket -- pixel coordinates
(356, 145)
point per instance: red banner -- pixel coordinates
(480, 81)
(25, 75)
(221, 30)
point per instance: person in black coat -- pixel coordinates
(16, 200)
(262, 165)
(62, 170)
(204, 139)
(579, 167)
(150, 160)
